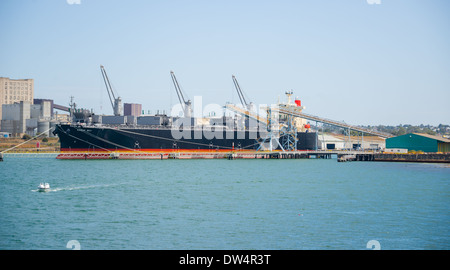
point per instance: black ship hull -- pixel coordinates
(104, 142)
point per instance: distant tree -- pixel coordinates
(401, 131)
(429, 131)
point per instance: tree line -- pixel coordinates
(398, 130)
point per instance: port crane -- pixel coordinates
(271, 141)
(247, 108)
(116, 103)
(185, 105)
(246, 105)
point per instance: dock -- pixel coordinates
(341, 156)
(28, 155)
(425, 157)
(230, 155)
(389, 157)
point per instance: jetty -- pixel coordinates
(389, 157)
(340, 156)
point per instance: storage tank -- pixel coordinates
(52, 128)
(43, 126)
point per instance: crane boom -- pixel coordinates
(178, 89)
(108, 85)
(185, 105)
(116, 103)
(240, 93)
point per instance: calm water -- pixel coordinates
(223, 204)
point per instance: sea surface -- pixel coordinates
(223, 204)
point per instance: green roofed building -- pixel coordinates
(419, 142)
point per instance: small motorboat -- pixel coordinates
(44, 187)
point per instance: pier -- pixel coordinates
(425, 157)
(28, 155)
(230, 155)
(389, 157)
(341, 156)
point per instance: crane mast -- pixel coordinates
(240, 93)
(247, 106)
(185, 105)
(116, 103)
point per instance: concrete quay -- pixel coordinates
(388, 157)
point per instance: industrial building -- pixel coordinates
(12, 91)
(132, 109)
(419, 142)
(43, 101)
(341, 142)
(26, 118)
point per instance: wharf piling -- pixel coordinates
(342, 156)
(426, 157)
(364, 157)
(387, 157)
(199, 155)
(345, 158)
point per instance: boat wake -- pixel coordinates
(69, 188)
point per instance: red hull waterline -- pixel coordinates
(156, 154)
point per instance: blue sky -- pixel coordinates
(385, 63)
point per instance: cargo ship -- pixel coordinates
(160, 136)
(110, 142)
